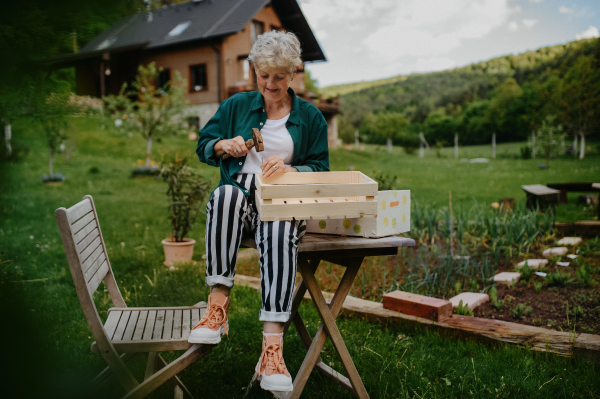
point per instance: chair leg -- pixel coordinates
(107, 373)
(166, 373)
(175, 382)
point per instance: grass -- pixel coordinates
(49, 340)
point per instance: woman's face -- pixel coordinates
(273, 83)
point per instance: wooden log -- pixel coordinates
(418, 305)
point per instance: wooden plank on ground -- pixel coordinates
(417, 305)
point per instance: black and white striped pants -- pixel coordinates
(229, 215)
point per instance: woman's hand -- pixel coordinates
(274, 165)
(236, 147)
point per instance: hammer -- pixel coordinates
(256, 141)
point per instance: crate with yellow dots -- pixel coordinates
(393, 217)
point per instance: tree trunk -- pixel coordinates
(575, 149)
(532, 145)
(456, 145)
(389, 145)
(421, 150)
(50, 162)
(7, 137)
(148, 151)
(493, 145)
(582, 147)
(356, 143)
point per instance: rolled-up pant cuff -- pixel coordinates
(214, 280)
(281, 317)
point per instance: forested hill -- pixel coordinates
(509, 95)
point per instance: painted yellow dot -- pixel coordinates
(394, 193)
(404, 199)
(385, 222)
(357, 228)
(404, 218)
(347, 223)
(322, 224)
(394, 223)
(383, 205)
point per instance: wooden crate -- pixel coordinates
(316, 195)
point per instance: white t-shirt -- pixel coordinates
(276, 140)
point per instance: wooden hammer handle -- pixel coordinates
(249, 145)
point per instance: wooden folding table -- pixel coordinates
(348, 252)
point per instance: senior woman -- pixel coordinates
(295, 140)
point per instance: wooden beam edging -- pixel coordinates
(568, 344)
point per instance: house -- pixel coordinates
(206, 41)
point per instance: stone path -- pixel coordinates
(533, 263)
(556, 251)
(569, 241)
(474, 299)
(509, 278)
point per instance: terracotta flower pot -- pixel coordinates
(178, 252)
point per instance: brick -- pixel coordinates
(418, 305)
(473, 299)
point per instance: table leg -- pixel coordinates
(328, 327)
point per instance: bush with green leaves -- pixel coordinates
(584, 275)
(558, 279)
(385, 182)
(578, 312)
(528, 311)
(517, 312)
(187, 191)
(550, 139)
(526, 273)
(538, 287)
(526, 152)
(150, 110)
(498, 305)
(463, 310)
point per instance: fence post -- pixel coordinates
(7, 137)
(493, 145)
(356, 139)
(456, 145)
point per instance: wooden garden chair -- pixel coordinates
(128, 332)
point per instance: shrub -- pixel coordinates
(517, 312)
(526, 273)
(578, 311)
(384, 181)
(498, 305)
(584, 275)
(538, 287)
(528, 311)
(558, 279)
(463, 310)
(94, 170)
(493, 294)
(187, 190)
(526, 152)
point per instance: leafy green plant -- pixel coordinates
(474, 285)
(463, 310)
(550, 139)
(526, 152)
(578, 311)
(187, 191)
(528, 311)
(498, 305)
(526, 273)
(385, 182)
(558, 279)
(517, 312)
(493, 294)
(584, 275)
(538, 287)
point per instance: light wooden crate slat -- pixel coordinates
(333, 195)
(81, 223)
(78, 210)
(185, 323)
(97, 278)
(195, 317)
(158, 328)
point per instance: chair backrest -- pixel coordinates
(88, 260)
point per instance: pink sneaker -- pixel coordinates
(214, 323)
(271, 367)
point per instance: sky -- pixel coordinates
(369, 40)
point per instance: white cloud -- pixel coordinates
(430, 28)
(589, 33)
(536, 1)
(513, 26)
(434, 64)
(529, 23)
(565, 10)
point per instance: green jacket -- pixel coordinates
(237, 116)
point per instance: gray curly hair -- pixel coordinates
(276, 49)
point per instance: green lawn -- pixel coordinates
(47, 339)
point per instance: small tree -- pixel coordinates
(186, 191)
(390, 125)
(53, 113)
(550, 139)
(147, 109)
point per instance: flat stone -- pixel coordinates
(533, 263)
(507, 277)
(572, 256)
(569, 241)
(480, 160)
(473, 299)
(556, 251)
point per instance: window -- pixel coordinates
(257, 28)
(198, 77)
(163, 79)
(178, 30)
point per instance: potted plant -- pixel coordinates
(186, 191)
